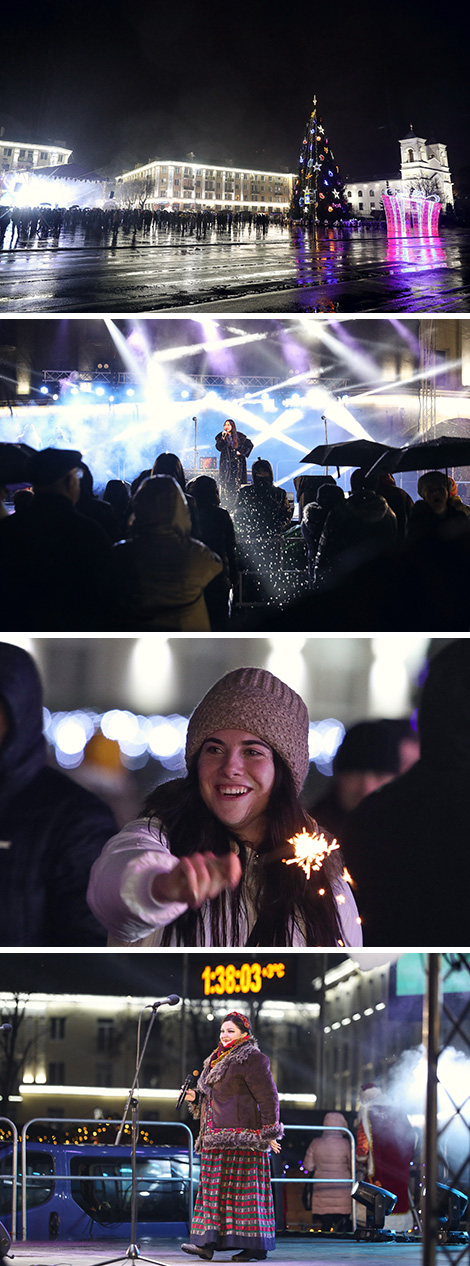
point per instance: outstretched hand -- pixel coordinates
(197, 878)
(275, 1144)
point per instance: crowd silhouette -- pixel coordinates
(161, 553)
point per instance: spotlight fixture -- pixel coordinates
(378, 1203)
(5, 1243)
(450, 1208)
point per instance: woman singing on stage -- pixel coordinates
(238, 1106)
(234, 448)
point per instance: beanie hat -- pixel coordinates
(253, 699)
(50, 464)
(369, 745)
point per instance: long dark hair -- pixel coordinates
(284, 898)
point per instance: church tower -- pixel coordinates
(425, 168)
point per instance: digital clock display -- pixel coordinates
(267, 977)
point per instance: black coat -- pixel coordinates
(232, 464)
(406, 845)
(56, 566)
(51, 829)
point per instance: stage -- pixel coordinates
(332, 1252)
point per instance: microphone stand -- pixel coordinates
(132, 1104)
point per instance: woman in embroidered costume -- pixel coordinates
(203, 865)
(238, 1106)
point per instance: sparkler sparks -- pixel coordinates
(310, 851)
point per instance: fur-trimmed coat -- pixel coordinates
(238, 1105)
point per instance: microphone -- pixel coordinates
(190, 1083)
(6, 1028)
(172, 1000)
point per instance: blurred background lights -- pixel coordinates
(395, 661)
(151, 675)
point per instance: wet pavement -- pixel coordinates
(332, 1252)
(348, 270)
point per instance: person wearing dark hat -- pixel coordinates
(407, 843)
(238, 1107)
(204, 864)
(55, 565)
(51, 829)
(368, 757)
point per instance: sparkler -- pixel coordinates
(310, 851)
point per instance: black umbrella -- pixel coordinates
(350, 453)
(449, 450)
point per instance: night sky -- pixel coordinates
(124, 83)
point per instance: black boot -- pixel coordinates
(250, 1255)
(206, 1251)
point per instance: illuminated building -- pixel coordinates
(424, 168)
(20, 156)
(189, 185)
(80, 1046)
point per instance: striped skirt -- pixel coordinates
(234, 1205)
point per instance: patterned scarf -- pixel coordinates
(220, 1051)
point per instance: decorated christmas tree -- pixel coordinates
(317, 193)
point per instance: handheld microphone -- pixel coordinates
(172, 1000)
(190, 1083)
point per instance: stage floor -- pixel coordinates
(334, 1252)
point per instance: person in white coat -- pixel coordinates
(205, 863)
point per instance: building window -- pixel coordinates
(56, 1072)
(361, 206)
(411, 155)
(105, 1036)
(359, 193)
(57, 1028)
(103, 1075)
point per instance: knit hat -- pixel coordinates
(369, 745)
(253, 699)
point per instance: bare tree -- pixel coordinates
(14, 1051)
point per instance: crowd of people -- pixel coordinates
(215, 554)
(20, 226)
(24, 225)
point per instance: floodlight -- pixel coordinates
(450, 1208)
(5, 1243)
(377, 1201)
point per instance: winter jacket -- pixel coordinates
(120, 896)
(56, 567)
(51, 829)
(162, 572)
(232, 464)
(407, 844)
(355, 531)
(239, 1104)
(329, 1156)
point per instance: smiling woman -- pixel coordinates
(203, 865)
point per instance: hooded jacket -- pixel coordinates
(355, 531)
(163, 571)
(407, 844)
(239, 1104)
(329, 1156)
(51, 830)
